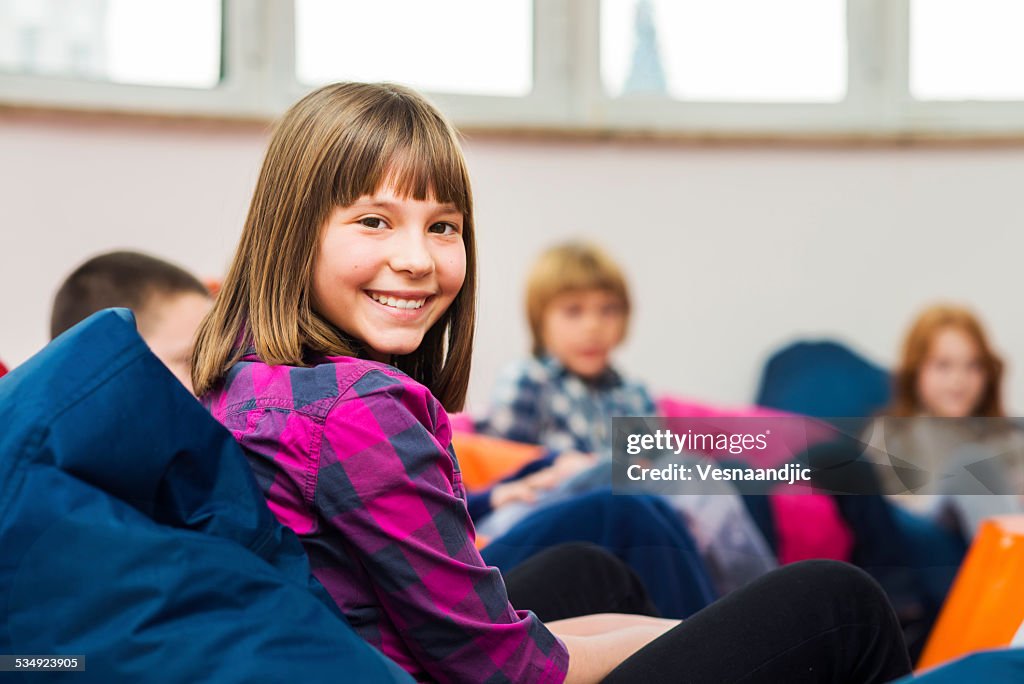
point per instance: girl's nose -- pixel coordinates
(412, 256)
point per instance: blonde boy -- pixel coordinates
(565, 394)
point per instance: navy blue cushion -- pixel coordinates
(1006, 665)
(133, 533)
(823, 379)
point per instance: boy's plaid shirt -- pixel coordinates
(539, 401)
(356, 458)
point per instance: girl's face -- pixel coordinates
(388, 268)
(952, 377)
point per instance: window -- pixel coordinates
(967, 49)
(727, 50)
(448, 46)
(878, 68)
(143, 42)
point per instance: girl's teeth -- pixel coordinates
(398, 303)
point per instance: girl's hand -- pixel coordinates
(597, 644)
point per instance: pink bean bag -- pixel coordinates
(810, 526)
(807, 525)
(791, 434)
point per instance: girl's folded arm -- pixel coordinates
(593, 656)
(598, 643)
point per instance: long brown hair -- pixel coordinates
(916, 346)
(332, 147)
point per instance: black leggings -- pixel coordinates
(814, 621)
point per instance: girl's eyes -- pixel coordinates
(440, 228)
(373, 222)
(444, 227)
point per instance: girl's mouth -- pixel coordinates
(395, 302)
(405, 307)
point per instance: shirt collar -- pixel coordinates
(608, 379)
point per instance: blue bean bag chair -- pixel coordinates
(1005, 665)
(823, 379)
(132, 532)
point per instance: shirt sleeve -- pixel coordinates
(545, 461)
(515, 412)
(389, 483)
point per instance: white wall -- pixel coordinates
(731, 250)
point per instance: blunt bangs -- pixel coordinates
(411, 149)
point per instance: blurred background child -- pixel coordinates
(565, 394)
(946, 415)
(168, 302)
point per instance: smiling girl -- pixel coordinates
(341, 335)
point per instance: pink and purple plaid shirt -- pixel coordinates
(356, 458)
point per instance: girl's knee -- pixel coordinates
(830, 575)
(836, 582)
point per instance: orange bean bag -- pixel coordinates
(985, 606)
(486, 460)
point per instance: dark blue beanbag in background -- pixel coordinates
(823, 379)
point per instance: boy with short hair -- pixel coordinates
(564, 396)
(168, 302)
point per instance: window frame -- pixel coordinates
(259, 82)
